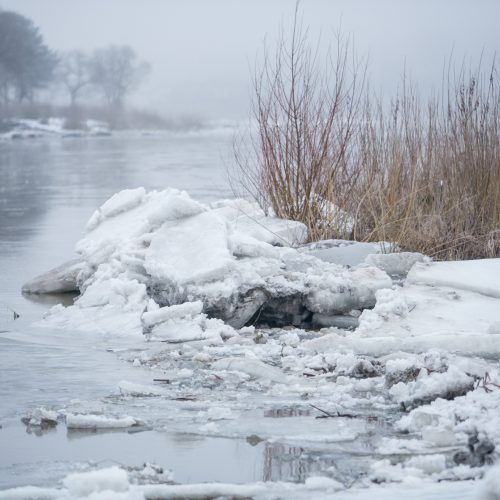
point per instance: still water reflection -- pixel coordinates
(42, 174)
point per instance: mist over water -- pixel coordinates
(202, 53)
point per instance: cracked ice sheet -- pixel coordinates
(419, 317)
(226, 398)
(219, 385)
(480, 276)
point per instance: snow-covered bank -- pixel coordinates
(233, 347)
(24, 128)
(30, 129)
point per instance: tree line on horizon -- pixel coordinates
(28, 66)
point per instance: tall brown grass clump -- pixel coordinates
(421, 173)
(431, 170)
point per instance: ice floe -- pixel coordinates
(99, 422)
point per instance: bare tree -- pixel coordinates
(74, 73)
(115, 72)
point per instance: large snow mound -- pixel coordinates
(146, 253)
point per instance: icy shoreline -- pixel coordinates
(226, 306)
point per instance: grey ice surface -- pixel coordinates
(343, 252)
(61, 279)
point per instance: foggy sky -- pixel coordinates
(202, 51)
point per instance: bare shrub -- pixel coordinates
(307, 115)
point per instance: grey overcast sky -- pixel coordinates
(202, 51)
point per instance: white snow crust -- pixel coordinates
(479, 276)
(112, 479)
